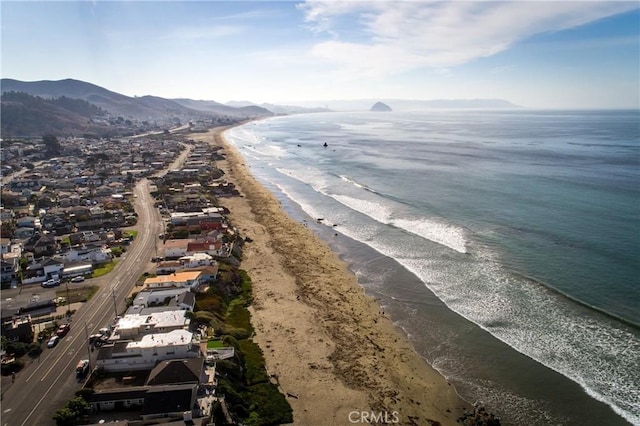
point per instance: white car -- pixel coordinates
(53, 341)
(51, 283)
(77, 279)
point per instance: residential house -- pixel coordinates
(39, 272)
(190, 279)
(26, 222)
(5, 245)
(41, 244)
(133, 326)
(161, 297)
(156, 404)
(191, 261)
(203, 246)
(146, 353)
(18, 329)
(117, 399)
(176, 248)
(94, 255)
(9, 269)
(178, 372)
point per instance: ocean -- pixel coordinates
(506, 244)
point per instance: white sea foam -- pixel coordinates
(357, 184)
(544, 326)
(430, 229)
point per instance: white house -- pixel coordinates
(176, 248)
(194, 260)
(135, 325)
(149, 298)
(94, 255)
(146, 353)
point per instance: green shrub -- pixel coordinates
(254, 368)
(270, 405)
(17, 348)
(239, 317)
(34, 350)
(12, 367)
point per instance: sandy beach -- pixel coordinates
(335, 355)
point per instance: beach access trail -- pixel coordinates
(335, 357)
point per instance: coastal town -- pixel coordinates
(177, 347)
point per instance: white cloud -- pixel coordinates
(401, 36)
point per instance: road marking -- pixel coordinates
(6, 411)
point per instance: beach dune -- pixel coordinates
(336, 357)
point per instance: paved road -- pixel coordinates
(48, 383)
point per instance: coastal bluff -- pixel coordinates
(380, 106)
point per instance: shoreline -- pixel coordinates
(336, 357)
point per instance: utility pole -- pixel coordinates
(115, 307)
(86, 333)
(66, 283)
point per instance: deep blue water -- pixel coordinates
(524, 223)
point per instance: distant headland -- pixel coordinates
(380, 106)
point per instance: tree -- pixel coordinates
(72, 412)
(51, 144)
(65, 417)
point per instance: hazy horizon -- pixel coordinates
(558, 54)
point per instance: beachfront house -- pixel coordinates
(188, 279)
(148, 351)
(179, 297)
(134, 326)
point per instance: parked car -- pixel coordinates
(53, 341)
(77, 279)
(94, 337)
(50, 283)
(63, 330)
(82, 368)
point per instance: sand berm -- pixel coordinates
(338, 360)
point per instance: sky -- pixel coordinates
(536, 54)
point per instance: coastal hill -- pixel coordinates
(34, 108)
(26, 115)
(380, 106)
(279, 109)
(214, 107)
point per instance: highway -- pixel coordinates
(49, 382)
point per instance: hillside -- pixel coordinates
(212, 107)
(26, 115)
(138, 108)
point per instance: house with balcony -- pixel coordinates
(133, 326)
(148, 351)
(179, 297)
